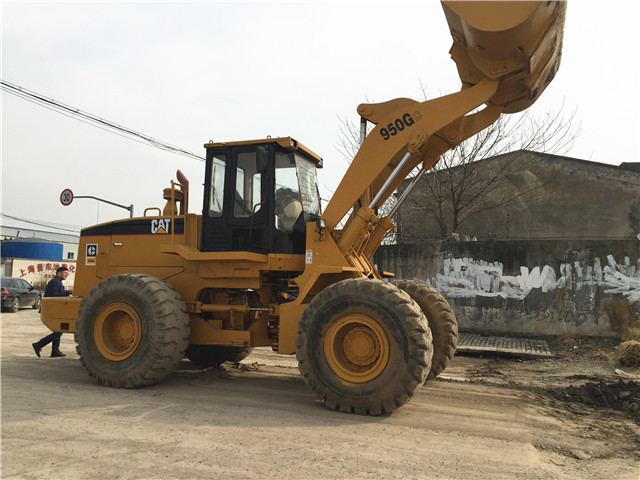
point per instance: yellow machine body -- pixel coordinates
(506, 54)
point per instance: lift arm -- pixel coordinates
(506, 54)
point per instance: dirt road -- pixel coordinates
(258, 420)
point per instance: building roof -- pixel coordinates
(621, 168)
(29, 240)
(633, 166)
(20, 233)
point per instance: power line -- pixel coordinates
(93, 120)
(41, 223)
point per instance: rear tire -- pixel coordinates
(363, 346)
(210, 355)
(442, 322)
(132, 331)
(15, 305)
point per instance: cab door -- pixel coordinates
(235, 211)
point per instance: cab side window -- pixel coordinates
(216, 199)
(248, 186)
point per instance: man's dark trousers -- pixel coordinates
(51, 338)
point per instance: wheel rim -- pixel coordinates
(356, 348)
(15, 306)
(117, 331)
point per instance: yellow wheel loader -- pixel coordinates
(264, 266)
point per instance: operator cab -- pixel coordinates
(259, 195)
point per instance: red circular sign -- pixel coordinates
(66, 197)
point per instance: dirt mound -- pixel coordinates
(628, 354)
(633, 332)
(620, 314)
(621, 395)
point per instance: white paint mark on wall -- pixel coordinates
(466, 277)
(625, 279)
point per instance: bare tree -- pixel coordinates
(461, 185)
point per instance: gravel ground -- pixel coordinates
(487, 417)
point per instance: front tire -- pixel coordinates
(36, 304)
(132, 331)
(442, 322)
(363, 346)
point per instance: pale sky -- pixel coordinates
(187, 73)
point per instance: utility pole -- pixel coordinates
(66, 197)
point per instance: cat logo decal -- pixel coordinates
(160, 225)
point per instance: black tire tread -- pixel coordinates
(168, 341)
(420, 348)
(442, 323)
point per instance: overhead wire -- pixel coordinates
(41, 223)
(84, 121)
(88, 119)
(92, 120)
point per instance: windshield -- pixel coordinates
(308, 180)
(296, 190)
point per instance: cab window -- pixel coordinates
(248, 186)
(216, 199)
(287, 194)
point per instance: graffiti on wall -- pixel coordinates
(466, 277)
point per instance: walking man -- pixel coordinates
(54, 289)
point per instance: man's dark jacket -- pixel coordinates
(55, 288)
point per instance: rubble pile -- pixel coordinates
(628, 354)
(633, 332)
(621, 395)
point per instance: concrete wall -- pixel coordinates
(569, 198)
(529, 287)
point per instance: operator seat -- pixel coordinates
(288, 208)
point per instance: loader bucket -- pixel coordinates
(518, 43)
